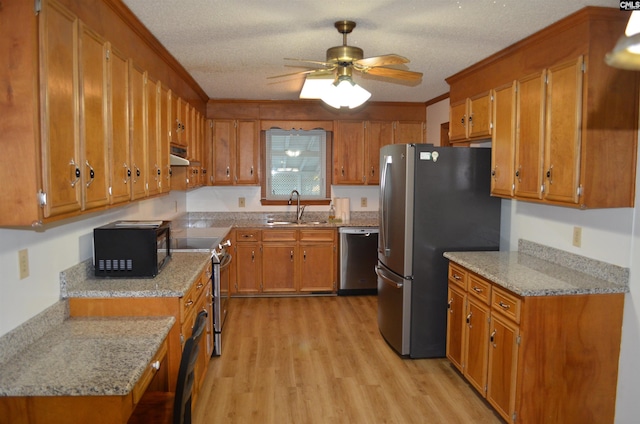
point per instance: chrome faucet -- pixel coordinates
(299, 209)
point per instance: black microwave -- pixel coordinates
(131, 249)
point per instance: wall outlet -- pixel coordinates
(363, 202)
(241, 202)
(577, 236)
(23, 263)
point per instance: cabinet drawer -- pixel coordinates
(506, 304)
(279, 235)
(479, 288)
(317, 235)
(248, 234)
(458, 275)
(153, 367)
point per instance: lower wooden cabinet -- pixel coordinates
(535, 358)
(286, 260)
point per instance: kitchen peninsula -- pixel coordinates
(85, 370)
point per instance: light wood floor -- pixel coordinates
(322, 359)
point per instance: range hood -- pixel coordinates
(177, 156)
(175, 160)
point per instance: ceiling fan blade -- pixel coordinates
(393, 73)
(384, 60)
(308, 71)
(317, 62)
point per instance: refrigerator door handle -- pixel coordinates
(384, 227)
(392, 283)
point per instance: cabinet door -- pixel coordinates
(185, 131)
(61, 167)
(479, 124)
(562, 131)
(164, 134)
(348, 150)
(477, 338)
(120, 160)
(278, 267)
(458, 122)
(137, 80)
(408, 132)
(224, 141)
(317, 271)
(530, 136)
(248, 260)
(503, 357)
(379, 134)
(503, 141)
(247, 153)
(455, 326)
(93, 129)
(153, 143)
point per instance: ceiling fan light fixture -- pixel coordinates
(345, 93)
(626, 53)
(316, 85)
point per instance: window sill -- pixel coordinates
(266, 202)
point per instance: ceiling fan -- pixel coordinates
(346, 58)
(339, 65)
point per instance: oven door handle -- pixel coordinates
(226, 260)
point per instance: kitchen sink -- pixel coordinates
(272, 222)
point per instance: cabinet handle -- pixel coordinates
(228, 172)
(127, 173)
(304, 255)
(549, 174)
(247, 235)
(457, 277)
(469, 319)
(493, 334)
(518, 173)
(251, 171)
(471, 120)
(463, 119)
(291, 255)
(189, 303)
(494, 172)
(155, 365)
(342, 171)
(92, 174)
(504, 305)
(449, 305)
(477, 289)
(253, 256)
(373, 171)
(199, 286)
(75, 171)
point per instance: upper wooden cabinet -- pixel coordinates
(357, 144)
(236, 152)
(81, 111)
(471, 119)
(503, 147)
(348, 153)
(576, 118)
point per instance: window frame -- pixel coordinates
(287, 126)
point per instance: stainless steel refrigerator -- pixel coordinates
(432, 200)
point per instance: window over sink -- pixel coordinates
(296, 160)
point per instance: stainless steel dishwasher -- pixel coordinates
(358, 257)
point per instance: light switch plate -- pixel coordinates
(577, 236)
(241, 202)
(363, 202)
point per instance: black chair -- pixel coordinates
(169, 407)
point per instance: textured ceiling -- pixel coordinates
(230, 47)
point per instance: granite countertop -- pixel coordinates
(86, 357)
(216, 222)
(528, 275)
(173, 280)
